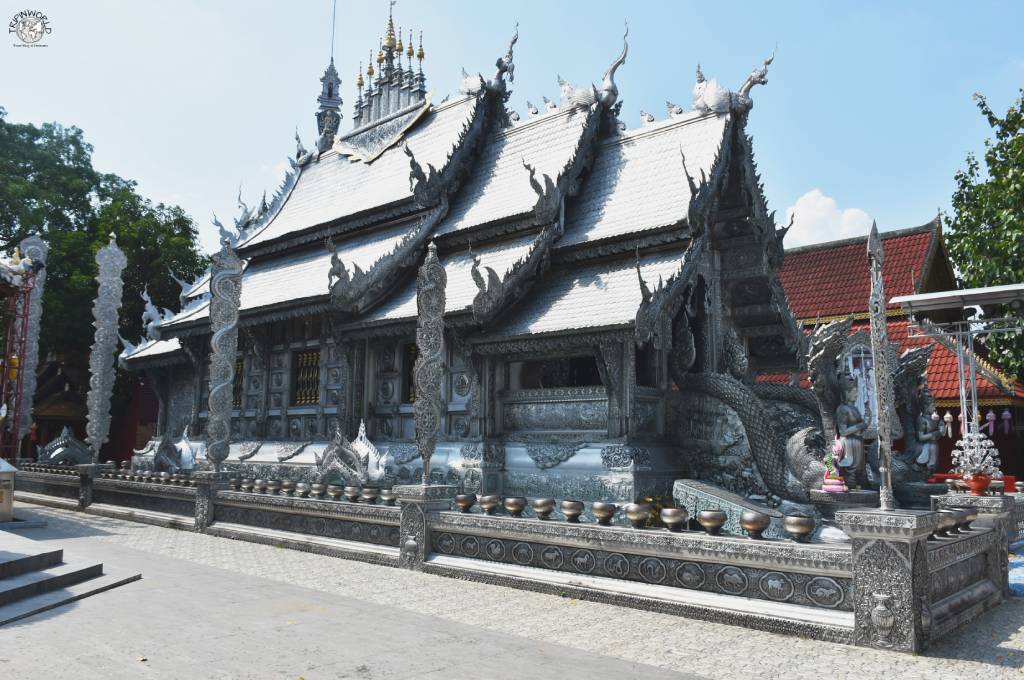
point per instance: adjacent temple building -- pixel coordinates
(600, 279)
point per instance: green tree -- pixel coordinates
(49, 186)
(986, 230)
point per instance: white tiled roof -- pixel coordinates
(592, 296)
(335, 187)
(637, 182)
(499, 186)
(158, 348)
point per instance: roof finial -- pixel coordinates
(609, 90)
(759, 76)
(334, 15)
(369, 65)
(409, 51)
(389, 32)
(359, 78)
(420, 54)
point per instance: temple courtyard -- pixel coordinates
(212, 607)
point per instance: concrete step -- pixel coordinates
(54, 578)
(14, 562)
(42, 602)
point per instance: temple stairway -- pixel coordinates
(35, 577)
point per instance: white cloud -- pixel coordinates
(818, 218)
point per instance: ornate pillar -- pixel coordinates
(207, 485)
(111, 263)
(226, 290)
(36, 250)
(417, 504)
(890, 576)
(882, 370)
(429, 369)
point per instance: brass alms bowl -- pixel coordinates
(674, 518)
(515, 505)
(799, 527)
(489, 503)
(603, 512)
(637, 514)
(543, 507)
(572, 510)
(754, 523)
(465, 501)
(712, 521)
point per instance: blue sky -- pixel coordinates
(867, 113)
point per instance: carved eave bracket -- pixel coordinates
(658, 307)
(355, 291)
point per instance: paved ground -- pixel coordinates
(212, 607)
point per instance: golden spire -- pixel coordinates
(359, 79)
(369, 65)
(409, 51)
(420, 53)
(389, 34)
(400, 47)
(380, 53)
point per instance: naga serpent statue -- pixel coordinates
(790, 463)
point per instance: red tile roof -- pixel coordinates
(831, 279)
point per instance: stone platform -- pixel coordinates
(828, 502)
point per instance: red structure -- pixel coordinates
(830, 281)
(16, 291)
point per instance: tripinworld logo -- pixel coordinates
(29, 26)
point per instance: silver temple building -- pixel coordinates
(611, 292)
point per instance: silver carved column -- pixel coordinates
(429, 369)
(111, 262)
(36, 250)
(418, 503)
(226, 291)
(881, 369)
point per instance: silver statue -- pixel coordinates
(358, 462)
(928, 432)
(429, 368)
(226, 290)
(36, 250)
(110, 261)
(850, 427)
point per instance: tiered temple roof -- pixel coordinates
(557, 220)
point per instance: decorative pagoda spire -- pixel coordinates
(390, 88)
(328, 116)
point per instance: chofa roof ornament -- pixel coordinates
(709, 96)
(609, 94)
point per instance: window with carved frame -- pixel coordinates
(305, 377)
